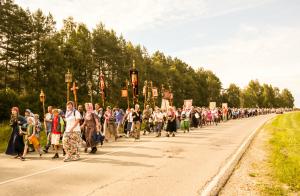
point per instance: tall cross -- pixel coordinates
(74, 89)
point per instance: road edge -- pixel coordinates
(216, 183)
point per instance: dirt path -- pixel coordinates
(251, 171)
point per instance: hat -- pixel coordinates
(15, 109)
(28, 110)
(31, 119)
(70, 102)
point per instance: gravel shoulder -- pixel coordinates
(252, 171)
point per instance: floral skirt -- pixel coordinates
(71, 143)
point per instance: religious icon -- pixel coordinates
(102, 82)
(134, 78)
(124, 93)
(188, 103)
(154, 92)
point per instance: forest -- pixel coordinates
(35, 55)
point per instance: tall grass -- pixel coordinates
(5, 131)
(285, 149)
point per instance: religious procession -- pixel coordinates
(149, 98)
(87, 127)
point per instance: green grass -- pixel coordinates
(285, 153)
(5, 132)
(253, 174)
(273, 190)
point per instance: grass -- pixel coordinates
(273, 190)
(5, 132)
(285, 154)
(253, 174)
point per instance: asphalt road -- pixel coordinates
(179, 165)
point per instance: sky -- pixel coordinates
(239, 40)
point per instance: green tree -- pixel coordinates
(15, 43)
(252, 95)
(277, 97)
(213, 86)
(43, 29)
(268, 96)
(34, 55)
(233, 96)
(287, 98)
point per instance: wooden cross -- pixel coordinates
(74, 89)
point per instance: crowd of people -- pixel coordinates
(90, 125)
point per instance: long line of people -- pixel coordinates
(89, 127)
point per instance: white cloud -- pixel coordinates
(131, 15)
(120, 15)
(269, 54)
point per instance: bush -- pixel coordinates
(30, 101)
(8, 99)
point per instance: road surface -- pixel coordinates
(179, 165)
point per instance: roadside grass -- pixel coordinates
(273, 189)
(284, 156)
(5, 132)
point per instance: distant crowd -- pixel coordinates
(90, 125)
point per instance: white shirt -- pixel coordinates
(48, 116)
(214, 113)
(158, 116)
(71, 119)
(187, 114)
(130, 117)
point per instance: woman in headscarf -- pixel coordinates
(158, 121)
(110, 124)
(171, 122)
(38, 125)
(91, 127)
(16, 144)
(185, 119)
(30, 138)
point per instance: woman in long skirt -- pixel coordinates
(185, 120)
(30, 138)
(72, 134)
(171, 122)
(16, 144)
(158, 121)
(91, 127)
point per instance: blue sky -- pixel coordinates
(239, 40)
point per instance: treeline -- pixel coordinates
(257, 95)
(34, 55)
